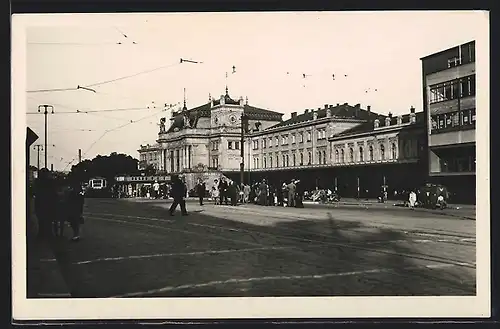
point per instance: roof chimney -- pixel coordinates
(338, 104)
(306, 111)
(412, 109)
(326, 106)
(294, 114)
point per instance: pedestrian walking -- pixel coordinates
(179, 191)
(223, 191)
(246, 193)
(200, 190)
(412, 199)
(75, 201)
(291, 189)
(156, 189)
(299, 194)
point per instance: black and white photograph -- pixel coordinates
(251, 165)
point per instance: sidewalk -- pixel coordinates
(43, 274)
(454, 210)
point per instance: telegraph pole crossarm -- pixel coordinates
(45, 112)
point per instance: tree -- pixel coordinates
(107, 167)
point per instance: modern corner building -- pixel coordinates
(449, 94)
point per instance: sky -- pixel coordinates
(270, 52)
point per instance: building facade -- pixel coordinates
(337, 146)
(449, 93)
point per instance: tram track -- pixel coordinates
(312, 241)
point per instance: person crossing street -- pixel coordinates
(178, 192)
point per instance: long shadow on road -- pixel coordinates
(328, 257)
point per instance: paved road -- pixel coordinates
(131, 248)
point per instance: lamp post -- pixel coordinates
(45, 112)
(244, 127)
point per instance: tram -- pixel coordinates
(97, 187)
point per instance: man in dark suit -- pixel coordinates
(200, 190)
(178, 192)
(223, 190)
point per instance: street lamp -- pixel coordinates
(45, 112)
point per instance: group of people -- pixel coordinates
(227, 192)
(57, 201)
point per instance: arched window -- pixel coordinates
(394, 151)
(294, 160)
(265, 164)
(319, 157)
(277, 160)
(342, 158)
(309, 158)
(270, 161)
(337, 159)
(324, 157)
(361, 155)
(351, 155)
(371, 152)
(301, 159)
(382, 152)
(284, 161)
(287, 161)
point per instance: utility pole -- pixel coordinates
(45, 112)
(244, 126)
(38, 146)
(79, 155)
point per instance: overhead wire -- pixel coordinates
(116, 128)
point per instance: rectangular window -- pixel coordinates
(263, 143)
(468, 86)
(229, 145)
(308, 136)
(277, 141)
(301, 137)
(293, 138)
(455, 119)
(236, 145)
(455, 61)
(270, 142)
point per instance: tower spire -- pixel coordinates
(227, 91)
(185, 107)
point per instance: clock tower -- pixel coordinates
(226, 112)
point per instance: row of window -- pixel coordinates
(215, 145)
(462, 163)
(360, 155)
(233, 145)
(149, 156)
(286, 139)
(458, 119)
(453, 89)
(286, 161)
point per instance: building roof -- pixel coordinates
(445, 50)
(344, 111)
(204, 111)
(369, 125)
